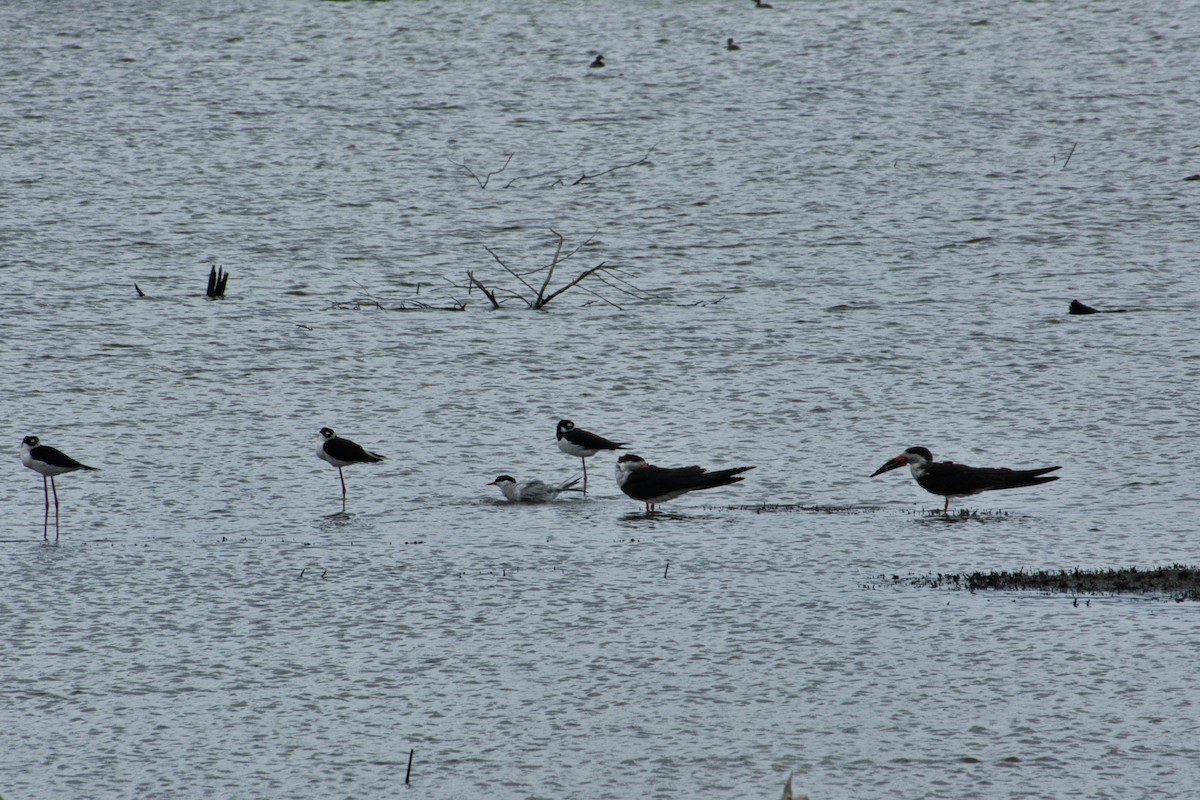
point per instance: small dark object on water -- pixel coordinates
(599, 62)
(408, 772)
(217, 278)
(667, 567)
(761, 4)
(139, 290)
(1195, 177)
(1079, 308)
(730, 44)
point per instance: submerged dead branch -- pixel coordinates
(539, 297)
(406, 304)
(533, 287)
(369, 301)
(553, 177)
(644, 159)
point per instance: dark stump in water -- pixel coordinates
(1080, 308)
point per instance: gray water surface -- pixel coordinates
(858, 233)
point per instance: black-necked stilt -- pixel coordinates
(598, 62)
(342, 453)
(49, 462)
(653, 485)
(958, 480)
(582, 444)
(532, 491)
(731, 45)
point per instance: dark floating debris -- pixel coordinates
(1080, 308)
(217, 278)
(1179, 582)
(139, 290)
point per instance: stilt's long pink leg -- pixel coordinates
(46, 518)
(55, 490)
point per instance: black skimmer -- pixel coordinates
(599, 62)
(49, 462)
(653, 485)
(958, 480)
(342, 453)
(584, 444)
(532, 491)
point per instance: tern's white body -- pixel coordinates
(532, 491)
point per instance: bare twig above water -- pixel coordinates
(1068, 161)
(484, 182)
(488, 293)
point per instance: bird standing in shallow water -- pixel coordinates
(584, 444)
(342, 453)
(532, 491)
(958, 480)
(653, 485)
(48, 462)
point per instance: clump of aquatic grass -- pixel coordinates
(1177, 581)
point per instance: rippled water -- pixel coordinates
(860, 232)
